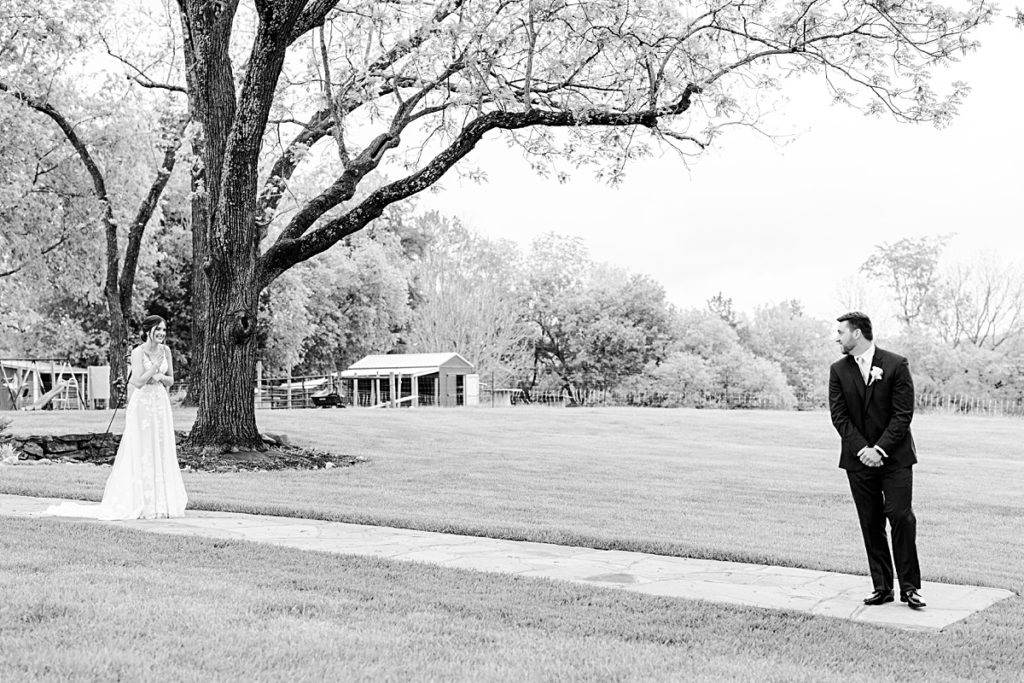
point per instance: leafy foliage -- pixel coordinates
(342, 305)
(594, 324)
(910, 268)
(91, 185)
(961, 323)
(164, 286)
(467, 293)
(802, 346)
(732, 367)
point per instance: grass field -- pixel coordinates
(755, 486)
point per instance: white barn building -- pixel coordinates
(413, 379)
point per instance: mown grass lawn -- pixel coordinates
(754, 486)
(85, 602)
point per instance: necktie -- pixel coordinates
(862, 363)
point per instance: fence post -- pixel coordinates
(288, 403)
(259, 382)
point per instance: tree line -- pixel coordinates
(959, 320)
(549, 318)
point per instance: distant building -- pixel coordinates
(44, 383)
(413, 379)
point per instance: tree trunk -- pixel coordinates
(210, 81)
(200, 292)
(117, 325)
(226, 419)
(117, 352)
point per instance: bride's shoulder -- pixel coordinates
(136, 350)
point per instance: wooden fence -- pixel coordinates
(970, 405)
(926, 403)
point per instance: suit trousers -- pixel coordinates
(880, 494)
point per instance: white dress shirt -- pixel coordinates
(864, 362)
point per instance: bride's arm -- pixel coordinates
(140, 376)
(167, 378)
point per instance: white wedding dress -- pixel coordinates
(145, 482)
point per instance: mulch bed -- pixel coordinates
(279, 457)
(99, 449)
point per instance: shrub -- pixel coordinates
(8, 453)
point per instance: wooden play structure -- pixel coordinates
(42, 384)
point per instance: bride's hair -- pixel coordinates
(149, 323)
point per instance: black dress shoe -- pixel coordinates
(879, 597)
(912, 599)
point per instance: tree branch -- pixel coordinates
(45, 108)
(285, 166)
(98, 182)
(336, 110)
(42, 252)
(420, 36)
(344, 188)
(703, 144)
(140, 76)
(312, 17)
(294, 246)
(405, 111)
(126, 281)
(319, 126)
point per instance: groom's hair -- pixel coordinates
(858, 321)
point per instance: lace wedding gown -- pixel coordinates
(145, 482)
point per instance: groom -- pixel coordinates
(871, 398)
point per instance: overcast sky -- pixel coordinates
(763, 222)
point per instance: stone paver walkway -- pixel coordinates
(803, 590)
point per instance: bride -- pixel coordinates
(145, 482)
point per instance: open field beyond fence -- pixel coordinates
(758, 486)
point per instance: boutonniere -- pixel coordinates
(876, 374)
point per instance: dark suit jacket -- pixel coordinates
(875, 415)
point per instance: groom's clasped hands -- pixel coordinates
(870, 456)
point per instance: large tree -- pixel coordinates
(44, 50)
(595, 325)
(910, 269)
(978, 302)
(802, 346)
(426, 81)
(984, 303)
(467, 299)
(738, 374)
